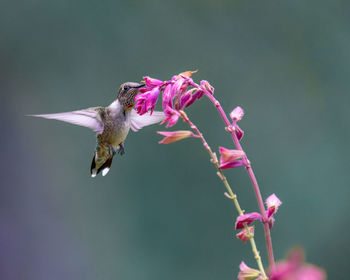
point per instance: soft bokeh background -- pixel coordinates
(160, 213)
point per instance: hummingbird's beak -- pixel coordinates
(140, 85)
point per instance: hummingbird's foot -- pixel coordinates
(121, 149)
(111, 150)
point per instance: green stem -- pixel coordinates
(231, 195)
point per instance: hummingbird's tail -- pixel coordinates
(102, 160)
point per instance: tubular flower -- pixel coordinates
(248, 273)
(229, 158)
(248, 219)
(147, 101)
(151, 82)
(173, 136)
(177, 94)
(244, 235)
(190, 97)
(295, 268)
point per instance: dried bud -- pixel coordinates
(173, 136)
(244, 235)
(247, 273)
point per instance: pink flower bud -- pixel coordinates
(237, 114)
(206, 86)
(173, 136)
(273, 203)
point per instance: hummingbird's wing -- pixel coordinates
(138, 122)
(90, 118)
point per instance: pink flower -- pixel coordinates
(248, 219)
(178, 87)
(173, 136)
(171, 116)
(229, 158)
(167, 97)
(294, 268)
(151, 82)
(185, 98)
(273, 203)
(176, 94)
(190, 96)
(248, 273)
(244, 235)
(237, 114)
(147, 101)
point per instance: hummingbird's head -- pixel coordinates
(127, 93)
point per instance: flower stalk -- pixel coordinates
(231, 130)
(231, 195)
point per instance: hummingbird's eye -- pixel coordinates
(126, 87)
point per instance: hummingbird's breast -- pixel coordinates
(116, 128)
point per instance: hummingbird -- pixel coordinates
(111, 124)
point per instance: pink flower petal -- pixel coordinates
(184, 99)
(171, 116)
(239, 132)
(173, 136)
(177, 87)
(231, 164)
(248, 219)
(271, 221)
(197, 94)
(167, 99)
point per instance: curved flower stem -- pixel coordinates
(259, 199)
(231, 195)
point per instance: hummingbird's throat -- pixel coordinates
(129, 107)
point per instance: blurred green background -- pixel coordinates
(161, 213)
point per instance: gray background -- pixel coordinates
(160, 213)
